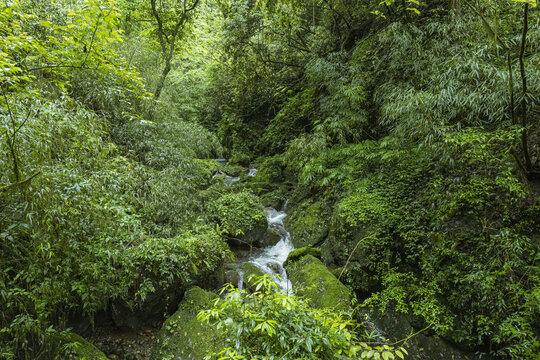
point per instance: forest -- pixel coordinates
(387, 152)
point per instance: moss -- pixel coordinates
(182, 335)
(308, 224)
(298, 253)
(233, 170)
(274, 198)
(84, 350)
(209, 165)
(250, 269)
(310, 278)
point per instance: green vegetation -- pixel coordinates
(404, 133)
(268, 324)
(183, 335)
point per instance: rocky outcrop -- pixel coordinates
(307, 224)
(182, 336)
(312, 279)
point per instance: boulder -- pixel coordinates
(303, 251)
(312, 279)
(269, 238)
(253, 236)
(308, 224)
(249, 269)
(161, 301)
(396, 326)
(274, 199)
(232, 277)
(82, 348)
(182, 336)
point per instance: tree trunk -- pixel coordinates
(524, 122)
(161, 81)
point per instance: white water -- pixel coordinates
(270, 259)
(227, 179)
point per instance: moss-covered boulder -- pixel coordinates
(425, 345)
(303, 251)
(240, 216)
(249, 269)
(275, 198)
(308, 224)
(311, 278)
(80, 348)
(182, 336)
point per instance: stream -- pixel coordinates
(270, 259)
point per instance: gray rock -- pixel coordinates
(232, 277)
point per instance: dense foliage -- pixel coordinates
(410, 130)
(98, 206)
(416, 125)
(268, 324)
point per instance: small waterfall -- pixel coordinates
(270, 259)
(227, 179)
(253, 171)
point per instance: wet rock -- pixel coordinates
(250, 270)
(312, 279)
(182, 335)
(275, 267)
(269, 238)
(232, 277)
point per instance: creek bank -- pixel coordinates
(308, 220)
(125, 344)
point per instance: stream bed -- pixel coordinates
(270, 259)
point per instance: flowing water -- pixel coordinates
(270, 259)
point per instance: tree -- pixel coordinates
(171, 19)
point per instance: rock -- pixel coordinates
(269, 238)
(308, 224)
(182, 336)
(298, 253)
(274, 199)
(396, 326)
(249, 269)
(253, 236)
(274, 266)
(232, 277)
(84, 349)
(310, 278)
(157, 303)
